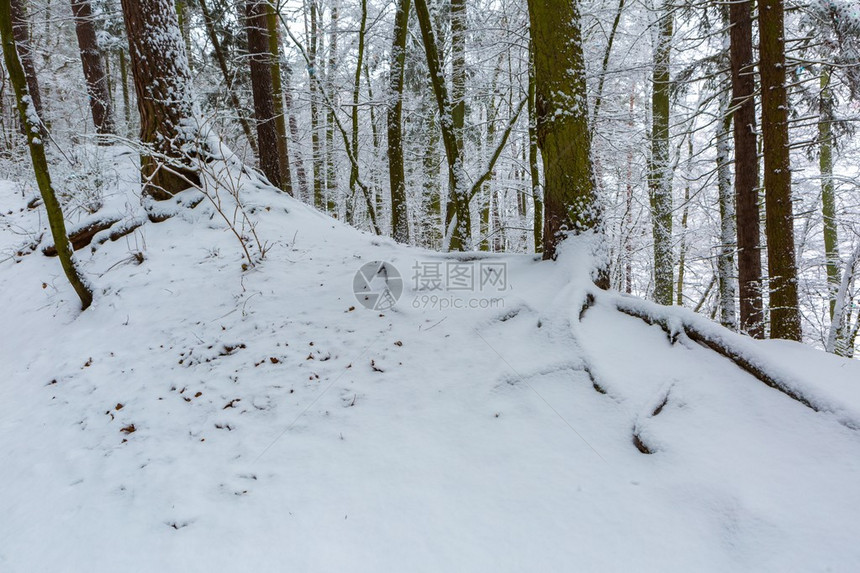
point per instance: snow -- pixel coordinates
(279, 425)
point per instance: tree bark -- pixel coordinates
(570, 200)
(316, 143)
(21, 33)
(356, 92)
(32, 128)
(459, 226)
(94, 69)
(534, 171)
(272, 29)
(396, 172)
(660, 184)
(126, 99)
(330, 85)
(726, 257)
(782, 270)
(746, 169)
(262, 88)
(828, 192)
(184, 29)
(458, 84)
(165, 100)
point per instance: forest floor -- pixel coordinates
(202, 416)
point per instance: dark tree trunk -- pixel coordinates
(165, 100)
(782, 270)
(21, 33)
(262, 87)
(396, 173)
(94, 70)
(274, 38)
(746, 169)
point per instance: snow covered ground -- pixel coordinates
(278, 425)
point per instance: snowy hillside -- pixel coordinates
(207, 416)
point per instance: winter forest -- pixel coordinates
(400, 119)
(665, 191)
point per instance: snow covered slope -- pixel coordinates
(278, 425)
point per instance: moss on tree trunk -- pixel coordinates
(570, 201)
(32, 126)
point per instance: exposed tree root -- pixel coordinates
(82, 237)
(640, 445)
(719, 346)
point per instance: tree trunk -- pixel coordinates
(534, 172)
(272, 29)
(685, 215)
(165, 99)
(301, 175)
(828, 193)
(21, 33)
(726, 257)
(396, 172)
(184, 29)
(435, 221)
(32, 128)
(782, 271)
(458, 228)
(746, 169)
(570, 201)
(356, 92)
(489, 223)
(378, 201)
(458, 85)
(94, 70)
(840, 339)
(126, 99)
(331, 183)
(261, 85)
(660, 183)
(316, 143)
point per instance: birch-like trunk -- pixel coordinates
(726, 257)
